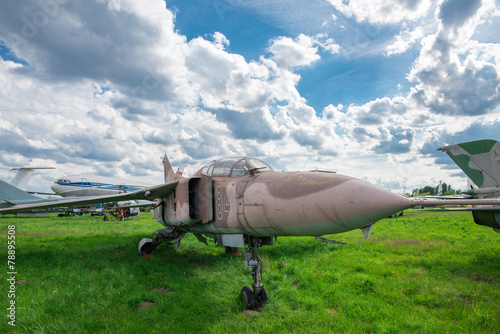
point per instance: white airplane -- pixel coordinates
(95, 185)
(92, 185)
(85, 185)
(11, 195)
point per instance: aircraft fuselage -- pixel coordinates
(277, 204)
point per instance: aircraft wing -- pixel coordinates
(149, 193)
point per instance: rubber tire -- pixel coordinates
(262, 297)
(145, 246)
(247, 298)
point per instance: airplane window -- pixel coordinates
(234, 167)
(207, 169)
(204, 170)
(241, 168)
(224, 166)
(261, 165)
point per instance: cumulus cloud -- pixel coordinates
(381, 11)
(455, 76)
(114, 84)
(131, 45)
(294, 53)
(404, 41)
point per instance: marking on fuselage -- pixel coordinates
(223, 202)
(227, 202)
(218, 202)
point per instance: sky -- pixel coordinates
(366, 88)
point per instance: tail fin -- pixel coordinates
(479, 159)
(168, 170)
(440, 189)
(13, 195)
(23, 176)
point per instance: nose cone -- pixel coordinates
(360, 199)
(58, 189)
(318, 203)
(352, 204)
(55, 187)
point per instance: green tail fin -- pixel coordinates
(479, 159)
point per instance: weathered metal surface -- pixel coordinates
(297, 203)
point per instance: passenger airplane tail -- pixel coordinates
(479, 159)
(23, 176)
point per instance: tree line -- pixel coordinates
(431, 191)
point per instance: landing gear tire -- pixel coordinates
(146, 246)
(247, 298)
(261, 297)
(257, 296)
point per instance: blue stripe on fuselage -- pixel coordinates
(105, 186)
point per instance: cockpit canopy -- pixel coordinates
(62, 181)
(235, 167)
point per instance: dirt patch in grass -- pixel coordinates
(159, 290)
(331, 311)
(249, 313)
(402, 242)
(144, 305)
(480, 278)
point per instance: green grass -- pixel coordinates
(425, 272)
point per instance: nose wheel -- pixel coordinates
(254, 297)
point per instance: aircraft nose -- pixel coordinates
(55, 187)
(359, 198)
(316, 203)
(348, 203)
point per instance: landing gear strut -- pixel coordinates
(171, 236)
(256, 296)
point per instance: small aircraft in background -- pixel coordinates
(92, 185)
(87, 185)
(95, 185)
(480, 161)
(12, 196)
(241, 202)
(84, 185)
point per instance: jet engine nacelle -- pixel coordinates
(487, 218)
(190, 203)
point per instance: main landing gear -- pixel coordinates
(256, 296)
(171, 236)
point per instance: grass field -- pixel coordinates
(425, 272)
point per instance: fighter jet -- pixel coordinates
(240, 202)
(480, 161)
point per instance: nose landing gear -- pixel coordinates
(256, 296)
